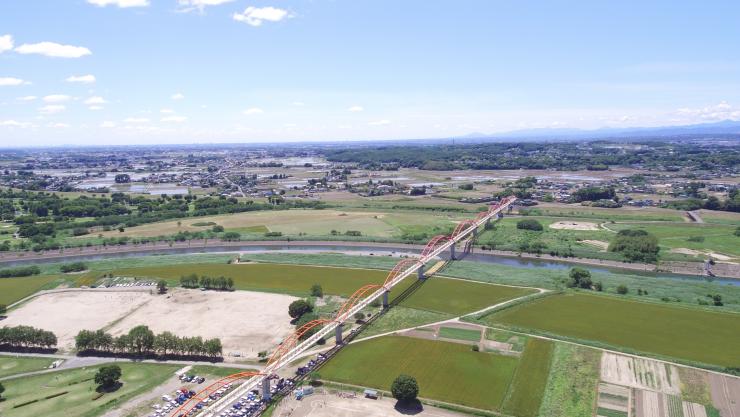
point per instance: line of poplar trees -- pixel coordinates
(27, 336)
(142, 341)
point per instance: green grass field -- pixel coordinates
(77, 389)
(571, 385)
(526, 392)
(460, 297)
(445, 371)
(14, 289)
(292, 279)
(400, 317)
(459, 334)
(19, 365)
(690, 335)
(717, 238)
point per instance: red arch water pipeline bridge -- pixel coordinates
(297, 343)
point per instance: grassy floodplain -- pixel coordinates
(446, 371)
(73, 392)
(459, 334)
(18, 365)
(691, 335)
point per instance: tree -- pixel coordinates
(3, 308)
(317, 291)
(122, 178)
(580, 278)
(218, 228)
(162, 286)
(108, 376)
(405, 388)
(141, 339)
(622, 289)
(298, 308)
(2, 390)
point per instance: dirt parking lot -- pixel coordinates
(331, 405)
(246, 322)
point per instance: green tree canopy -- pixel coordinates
(107, 376)
(405, 388)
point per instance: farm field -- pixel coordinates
(302, 222)
(459, 334)
(445, 371)
(525, 395)
(77, 391)
(18, 365)
(672, 332)
(571, 385)
(14, 289)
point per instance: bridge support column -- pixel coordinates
(266, 394)
(452, 252)
(385, 299)
(475, 233)
(420, 272)
(338, 333)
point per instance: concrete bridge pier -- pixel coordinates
(266, 394)
(385, 299)
(452, 252)
(420, 272)
(338, 333)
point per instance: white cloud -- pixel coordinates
(84, 79)
(6, 43)
(95, 108)
(56, 98)
(178, 96)
(174, 119)
(254, 16)
(14, 123)
(52, 108)
(253, 111)
(718, 112)
(26, 98)
(53, 50)
(60, 125)
(95, 100)
(108, 124)
(190, 5)
(299, 103)
(380, 122)
(166, 111)
(120, 3)
(136, 120)
(11, 81)
(356, 109)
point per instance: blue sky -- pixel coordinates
(176, 71)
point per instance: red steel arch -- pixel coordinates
(401, 266)
(432, 244)
(293, 340)
(461, 227)
(201, 395)
(352, 301)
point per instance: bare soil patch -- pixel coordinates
(603, 246)
(640, 373)
(571, 225)
(247, 322)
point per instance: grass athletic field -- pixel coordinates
(19, 365)
(73, 391)
(14, 289)
(437, 294)
(687, 334)
(446, 371)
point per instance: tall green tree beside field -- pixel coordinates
(141, 338)
(107, 376)
(405, 388)
(635, 245)
(2, 390)
(298, 308)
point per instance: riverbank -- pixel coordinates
(210, 246)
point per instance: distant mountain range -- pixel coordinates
(725, 127)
